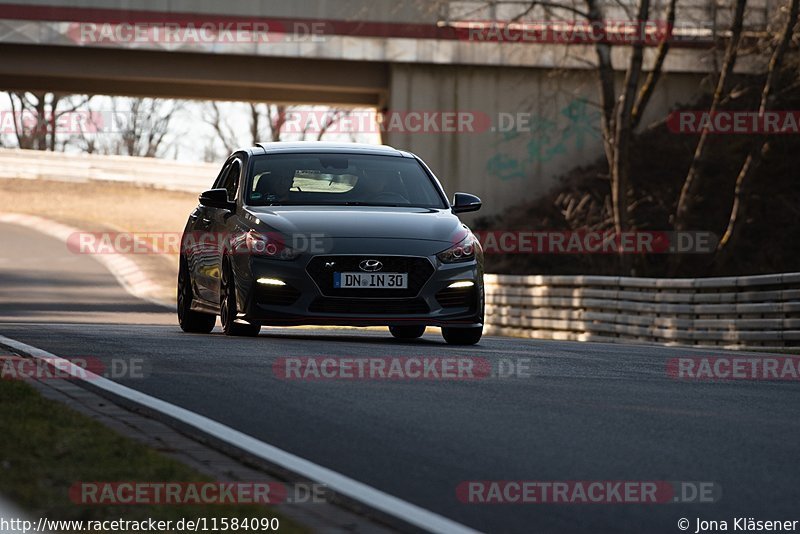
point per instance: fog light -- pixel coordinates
(271, 282)
(463, 283)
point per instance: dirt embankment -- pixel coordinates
(769, 243)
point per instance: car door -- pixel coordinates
(223, 223)
(203, 262)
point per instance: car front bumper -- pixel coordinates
(306, 300)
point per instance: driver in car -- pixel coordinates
(375, 188)
(275, 187)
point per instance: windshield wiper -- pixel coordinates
(268, 204)
(378, 204)
(341, 204)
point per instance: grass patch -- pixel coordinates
(46, 447)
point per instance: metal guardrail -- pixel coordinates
(151, 172)
(707, 18)
(731, 312)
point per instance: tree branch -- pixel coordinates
(760, 146)
(688, 193)
(605, 71)
(649, 85)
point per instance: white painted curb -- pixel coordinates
(336, 482)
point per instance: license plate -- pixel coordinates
(370, 280)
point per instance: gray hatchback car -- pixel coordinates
(331, 234)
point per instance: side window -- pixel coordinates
(221, 176)
(231, 181)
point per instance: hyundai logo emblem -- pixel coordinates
(370, 266)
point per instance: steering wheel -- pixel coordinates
(389, 196)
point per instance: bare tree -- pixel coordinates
(266, 121)
(37, 118)
(688, 196)
(213, 116)
(209, 151)
(760, 146)
(622, 108)
(649, 86)
(622, 132)
(332, 118)
(145, 124)
(270, 121)
(89, 136)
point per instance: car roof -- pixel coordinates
(300, 147)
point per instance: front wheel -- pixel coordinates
(229, 310)
(462, 336)
(407, 332)
(188, 319)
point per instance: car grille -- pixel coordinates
(369, 306)
(277, 295)
(419, 271)
(456, 297)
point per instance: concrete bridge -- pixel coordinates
(536, 91)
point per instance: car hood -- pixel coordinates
(359, 222)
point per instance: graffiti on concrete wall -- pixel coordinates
(527, 139)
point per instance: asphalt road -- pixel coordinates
(586, 412)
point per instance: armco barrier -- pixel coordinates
(735, 312)
(151, 172)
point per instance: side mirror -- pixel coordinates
(464, 202)
(217, 198)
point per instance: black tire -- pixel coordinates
(189, 320)
(462, 336)
(228, 309)
(407, 332)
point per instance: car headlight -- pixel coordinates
(463, 251)
(269, 246)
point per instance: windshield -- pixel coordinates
(340, 180)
